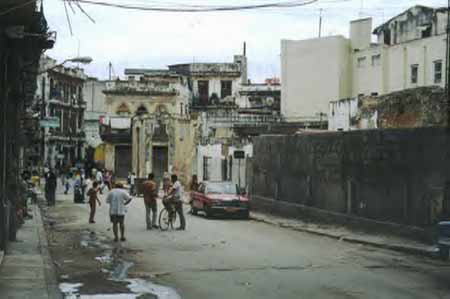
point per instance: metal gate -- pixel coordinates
(122, 162)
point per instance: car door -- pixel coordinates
(197, 196)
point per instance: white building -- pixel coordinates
(409, 52)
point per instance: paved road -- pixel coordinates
(247, 259)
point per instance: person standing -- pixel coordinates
(50, 187)
(99, 180)
(150, 191)
(175, 194)
(117, 199)
(132, 182)
(93, 200)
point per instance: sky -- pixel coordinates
(136, 39)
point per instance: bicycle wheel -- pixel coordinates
(164, 220)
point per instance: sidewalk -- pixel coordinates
(27, 270)
(343, 234)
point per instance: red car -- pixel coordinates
(219, 198)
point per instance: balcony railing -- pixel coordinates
(140, 88)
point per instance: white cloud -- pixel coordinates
(149, 39)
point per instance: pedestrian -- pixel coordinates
(99, 180)
(93, 200)
(175, 195)
(193, 188)
(78, 188)
(107, 179)
(50, 187)
(132, 181)
(67, 182)
(117, 199)
(150, 190)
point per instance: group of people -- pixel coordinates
(118, 198)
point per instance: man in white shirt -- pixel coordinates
(132, 182)
(176, 193)
(117, 199)
(99, 180)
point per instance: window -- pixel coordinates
(438, 71)
(181, 109)
(414, 73)
(131, 78)
(203, 92)
(376, 60)
(361, 62)
(205, 168)
(225, 88)
(374, 94)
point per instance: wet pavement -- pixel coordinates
(223, 258)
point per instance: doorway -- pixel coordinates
(160, 161)
(122, 163)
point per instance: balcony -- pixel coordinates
(145, 88)
(113, 135)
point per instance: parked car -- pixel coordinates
(220, 198)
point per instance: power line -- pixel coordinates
(199, 8)
(7, 11)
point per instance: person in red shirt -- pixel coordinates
(93, 200)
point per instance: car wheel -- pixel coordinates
(443, 254)
(208, 211)
(194, 211)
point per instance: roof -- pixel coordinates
(380, 27)
(148, 72)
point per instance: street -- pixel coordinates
(229, 258)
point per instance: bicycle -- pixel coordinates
(167, 218)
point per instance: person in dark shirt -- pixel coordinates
(50, 187)
(150, 191)
(93, 200)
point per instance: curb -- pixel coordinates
(49, 270)
(395, 247)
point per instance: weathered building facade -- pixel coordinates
(409, 108)
(410, 52)
(95, 109)
(24, 34)
(60, 91)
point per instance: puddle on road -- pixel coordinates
(139, 288)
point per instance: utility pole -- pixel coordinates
(320, 23)
(110, 71)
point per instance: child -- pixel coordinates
(93, 200)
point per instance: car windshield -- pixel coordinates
(221, 188)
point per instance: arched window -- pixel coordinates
(141, 110)
(123, 109)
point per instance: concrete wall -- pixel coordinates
(313, 72)
(389, 175)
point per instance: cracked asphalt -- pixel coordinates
(226, 258)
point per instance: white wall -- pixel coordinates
(214, 151)
(313, 72)
(340, 114)
(93, 95)
(394, 72)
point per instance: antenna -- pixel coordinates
(361, 9)
(320, 22)
(110, 71)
